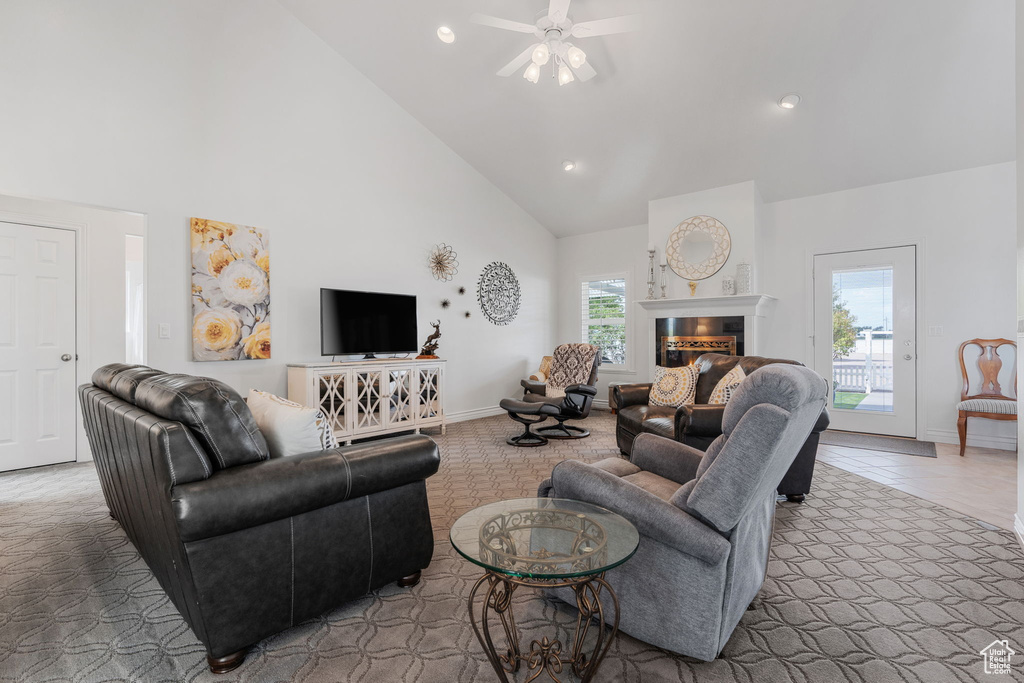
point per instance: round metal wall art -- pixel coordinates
(498, 293)
(698, 247)
(443, 263)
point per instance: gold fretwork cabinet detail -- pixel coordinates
(371, 397)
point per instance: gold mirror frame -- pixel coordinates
(675, 253)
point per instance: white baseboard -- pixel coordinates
(601, 403)
(1018, 529)
(474, 414)
(1006, 443)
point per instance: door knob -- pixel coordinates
(66, 357)
(907, 356)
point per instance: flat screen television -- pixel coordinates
(366, 323)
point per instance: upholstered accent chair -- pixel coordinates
(988, 400)
(705, 518)
(246, 545)
(699, 424)
(566, 394)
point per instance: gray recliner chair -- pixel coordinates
(705, 519)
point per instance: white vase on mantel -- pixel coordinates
(743, 278)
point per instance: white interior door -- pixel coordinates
(37, 346)
(865, 338)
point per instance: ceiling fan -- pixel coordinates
(552, 29)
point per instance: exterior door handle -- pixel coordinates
(66, 357)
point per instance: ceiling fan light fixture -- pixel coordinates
(565, 75)
(446, 35)
(541, 54)
(532, 73)
(577, 57)
(789, 101)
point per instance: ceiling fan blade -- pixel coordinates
(507, 24)
(558, 10)
(514, 65)
(584, 72)
(605, 27)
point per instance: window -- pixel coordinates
(604, 319)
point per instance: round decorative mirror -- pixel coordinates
(698, 247)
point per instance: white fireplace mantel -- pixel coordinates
(754, 308)
(709, 306)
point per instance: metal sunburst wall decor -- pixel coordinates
(498, 293)
(442, 262)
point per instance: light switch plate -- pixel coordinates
(164, 330)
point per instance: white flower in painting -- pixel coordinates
(216, 329)
(244, 283)
(244, 240)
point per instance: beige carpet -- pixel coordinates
(866, 584)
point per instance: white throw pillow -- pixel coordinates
(723, 391)
(674, 386)
(290, 428)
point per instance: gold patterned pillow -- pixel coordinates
(674, 386)
(726, 386)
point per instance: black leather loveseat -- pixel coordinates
(699, 424)
(245, 545)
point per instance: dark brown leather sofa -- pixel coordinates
(246, 545)
(699, 424)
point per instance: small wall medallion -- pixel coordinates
(443, 263)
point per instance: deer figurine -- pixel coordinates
(430, 346)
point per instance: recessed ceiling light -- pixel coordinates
(568, 165)
(789, 101)
(446, 34)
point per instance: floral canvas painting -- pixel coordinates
(230, 291)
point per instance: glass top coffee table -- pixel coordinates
(545, 543)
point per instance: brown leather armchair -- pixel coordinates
(699, 424)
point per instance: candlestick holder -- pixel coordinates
(650, 274)
(664, 281)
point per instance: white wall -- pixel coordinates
(235, 111)
(600, 254)
(965, 223)
(960, 220)
(736, 206)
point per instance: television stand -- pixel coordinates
(373, 396)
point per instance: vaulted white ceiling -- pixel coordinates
(891, 89)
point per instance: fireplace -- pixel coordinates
(743, 316)
(680, 341)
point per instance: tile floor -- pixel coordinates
(982, 484)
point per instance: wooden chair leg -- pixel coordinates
(961, 428)
(222, 665)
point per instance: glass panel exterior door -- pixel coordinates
(862, 349)
(865, 339)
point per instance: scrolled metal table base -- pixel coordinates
(545, 655)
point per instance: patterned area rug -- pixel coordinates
(866, 584)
